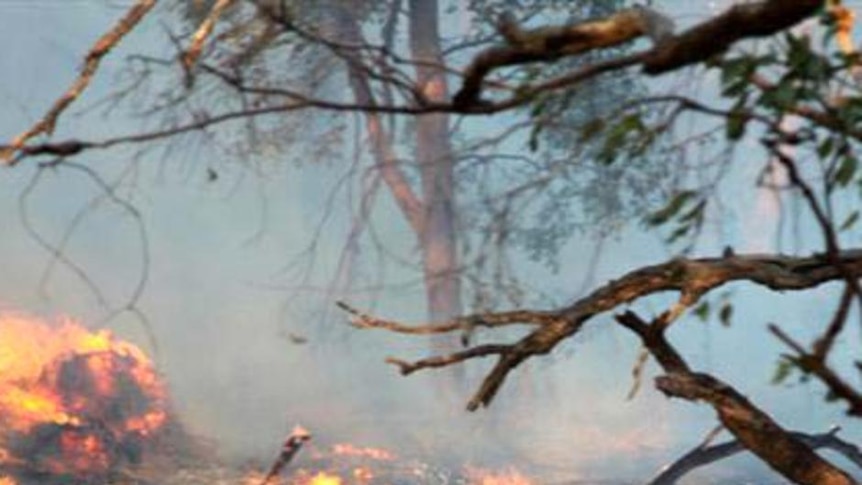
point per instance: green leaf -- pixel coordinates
(850, 221)
(618, 135)
(736, 123)
(725, 313)
(824, 150)
(846, 170)
(702, 311)
(781, 97)
(735, 74)
(673, 207)
(591, 128)
(695, 214)
(782, 371)
(677, 234)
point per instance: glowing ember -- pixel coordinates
(507, 477)
(344, 449)
(73, 402)
(323, 478)
(363, 474)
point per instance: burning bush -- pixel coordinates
(75, 405)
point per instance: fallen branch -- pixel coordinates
(289, 449)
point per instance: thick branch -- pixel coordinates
(692, 278)
(741, 21)
(754, 429)
(549, 44)
(671, 52)
(704, 455)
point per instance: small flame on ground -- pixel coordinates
(346, 449)
(323, 478)
(509, 476)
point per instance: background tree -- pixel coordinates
(466, 191)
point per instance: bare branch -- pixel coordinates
(754, 429)
(447, 360)
(200, 36)
(706, 454)
(693, 46)
(741, 21)
(691, 277)
(91, 64)
(490, 320)
(814, 364)
(549, 44)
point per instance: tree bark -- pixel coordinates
(433, 154)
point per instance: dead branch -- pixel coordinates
(741, 21)
(815, 364)
(669, 53)
(200, 36)
(490, 320)
(706, 454)
(754, 428)
(289, 449)
(692, 278)
(91, 64)
(551, 43)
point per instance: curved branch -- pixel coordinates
(670, 52)
(705, 455)
(741, 21)
(692, 278)
(449, 359)
(490, 320)
(754, 429)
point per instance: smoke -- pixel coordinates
(225, 333)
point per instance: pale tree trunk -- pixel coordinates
(429, 209)
(433, 154)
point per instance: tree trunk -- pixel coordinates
(431, 213)
(433, 154)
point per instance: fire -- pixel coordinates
(507, 477)
(346, 449)
(323, 478)
(73, 402)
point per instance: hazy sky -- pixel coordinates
(220, 324)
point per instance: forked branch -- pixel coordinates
(692, 278)
(706, 454)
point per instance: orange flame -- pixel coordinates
(87, 391)
(510, 476)
(323, 478)
(346, 449)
